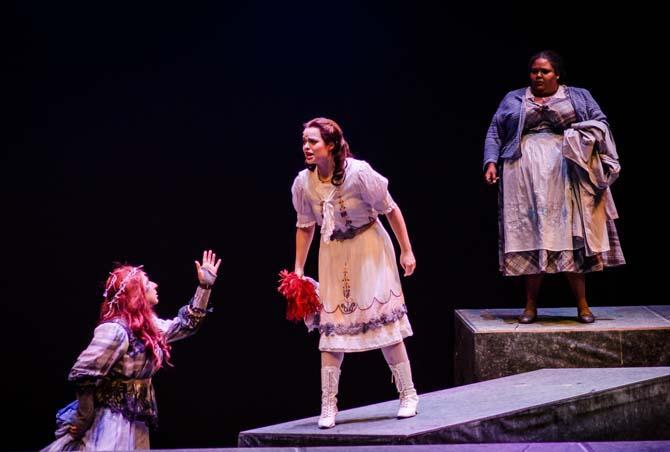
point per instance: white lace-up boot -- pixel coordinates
(330, 379)
(409, 399)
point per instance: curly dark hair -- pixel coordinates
(331, 132)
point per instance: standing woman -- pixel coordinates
(552, 217)
(359, 285)
(115, 404)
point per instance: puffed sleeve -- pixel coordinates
(109, 344)
(301, 202)
(374, 189)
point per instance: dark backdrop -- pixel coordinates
(147, 132)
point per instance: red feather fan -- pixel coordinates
(301, 296)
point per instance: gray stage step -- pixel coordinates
(544, 405)
(491, 343)
(618, 446)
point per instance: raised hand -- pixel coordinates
(208, 269)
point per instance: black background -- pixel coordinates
(148, 132)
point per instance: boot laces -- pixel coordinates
(328, 407)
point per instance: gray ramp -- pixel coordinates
(622, 446)
(490, 343)
(597, 404)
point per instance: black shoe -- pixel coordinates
(528, 316)
(585, 317)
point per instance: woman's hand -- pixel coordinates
(83, 418)
(407, 262)
(207, 271)
(491, 174)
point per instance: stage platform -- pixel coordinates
(618, 446)
(608, 404)
(491, 343)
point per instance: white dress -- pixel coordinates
(359, 285)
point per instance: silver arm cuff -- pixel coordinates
(201, 298)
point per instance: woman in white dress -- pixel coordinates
(363, 306)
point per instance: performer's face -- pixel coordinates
(315, 149)
(543, 79)
(150, 291)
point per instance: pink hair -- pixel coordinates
(125, 299)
